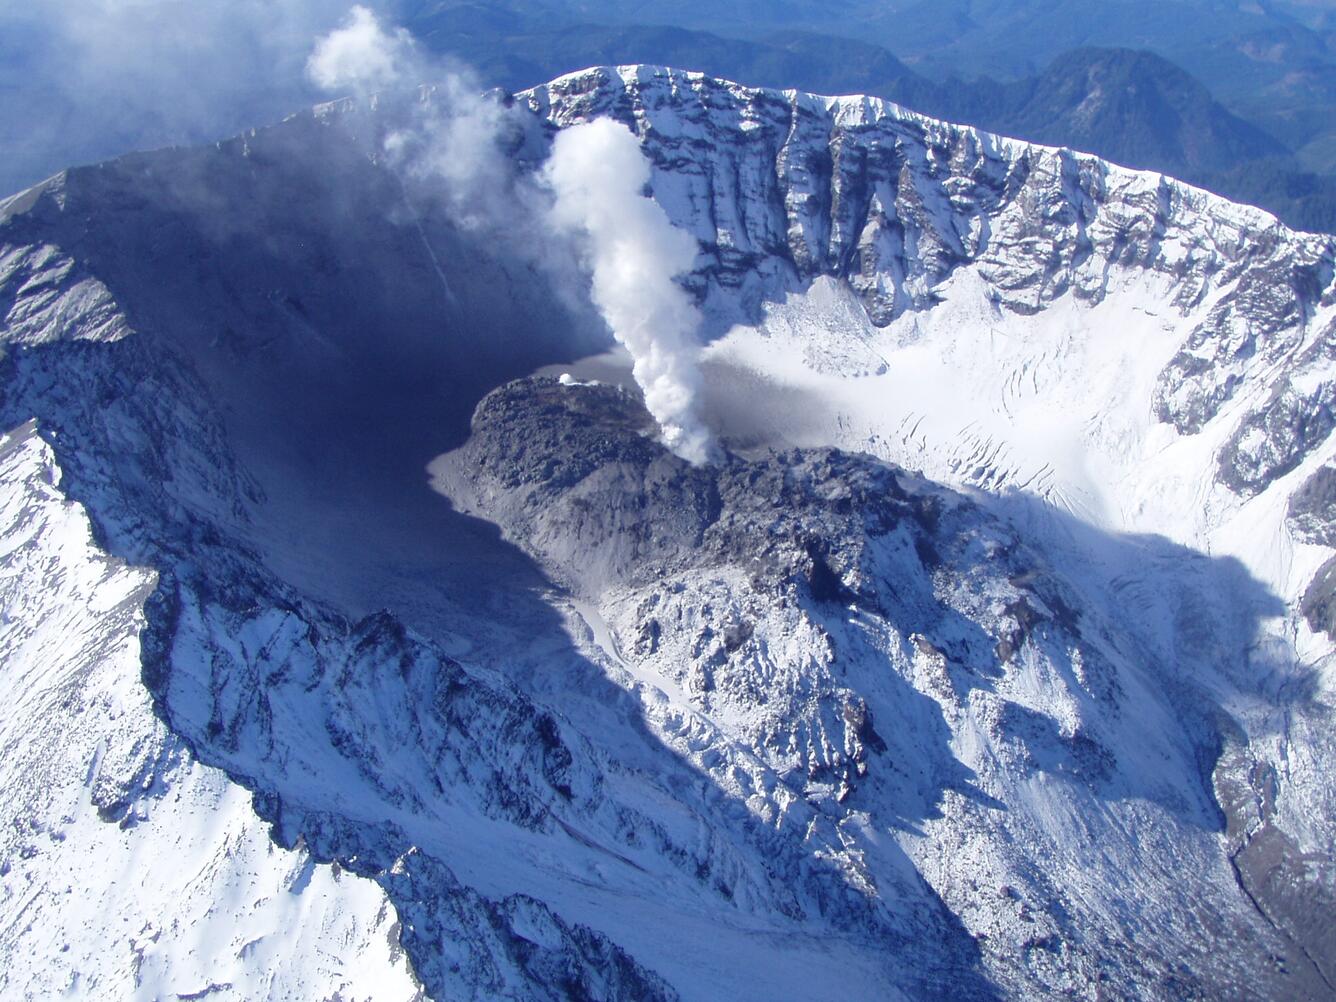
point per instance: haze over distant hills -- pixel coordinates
(1274, 58)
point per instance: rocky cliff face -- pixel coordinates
(1049, 714)
(783, 188)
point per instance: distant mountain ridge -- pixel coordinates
(1241, 50)
(1132, 106)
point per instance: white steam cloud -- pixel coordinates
(361, 56)
(594, 183)
(597, 174)
(88, 79)
(453, 137)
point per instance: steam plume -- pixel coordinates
(451, 140)
(361, 55)
(88, 79)
(597, 174)
(593, 194)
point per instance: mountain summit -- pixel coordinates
(359, 623)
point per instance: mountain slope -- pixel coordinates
(1145, 369)
(1045, 717)
(186, 893)
(1134, 108)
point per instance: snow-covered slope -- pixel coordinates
(129, 869)
(1048, 715)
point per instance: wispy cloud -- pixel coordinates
(82, 80)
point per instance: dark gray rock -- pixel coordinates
(1312, 509)
(1319, 601)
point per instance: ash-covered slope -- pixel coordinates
(802, 723)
